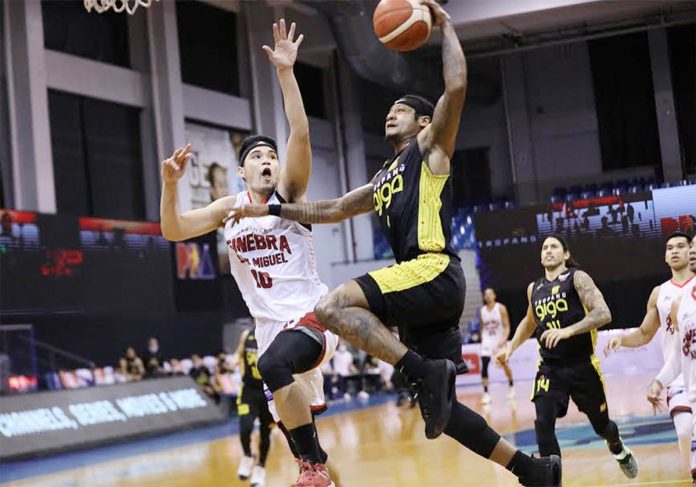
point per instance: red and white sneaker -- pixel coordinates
(313, 475)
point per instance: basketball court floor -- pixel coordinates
(375, 444)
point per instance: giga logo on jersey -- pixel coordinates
(551, 306)
(388, 185)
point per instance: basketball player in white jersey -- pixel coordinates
(273, 263)
(682, 356)
(657, 317)
(495, 329)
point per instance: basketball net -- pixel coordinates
(118, 6)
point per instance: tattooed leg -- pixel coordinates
(344, 312)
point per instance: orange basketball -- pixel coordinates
(402, 25)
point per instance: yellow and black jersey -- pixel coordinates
(250, 372)
(556, 304)
(414, 205)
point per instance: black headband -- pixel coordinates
(418, 103)
(252, 142)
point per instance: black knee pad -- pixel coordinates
(275, 370)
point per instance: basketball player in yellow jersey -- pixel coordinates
(423, 294)
(565, 309)
(252, 404)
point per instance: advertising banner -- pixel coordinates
(212, 172)
(57, 421)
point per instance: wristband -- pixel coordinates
(274, 210)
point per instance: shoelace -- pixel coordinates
(308, 471)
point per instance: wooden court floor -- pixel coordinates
(385, 446)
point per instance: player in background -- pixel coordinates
(682, 356)
(495, 329)
(657, 319)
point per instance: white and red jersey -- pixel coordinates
(274, 263)
(686, 317)
(669, 291)
(491, 329)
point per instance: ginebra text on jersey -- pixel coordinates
(251, 242)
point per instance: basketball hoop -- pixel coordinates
(118, 6)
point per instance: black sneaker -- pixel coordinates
(627, 463)
(547, 472)
(435, 393)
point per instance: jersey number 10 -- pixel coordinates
(263, 279)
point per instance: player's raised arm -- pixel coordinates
(177, 226)
(647, 330)
(438, 139)
(298, 158)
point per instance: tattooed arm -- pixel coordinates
(356, 202)
(436, 141)
(598, 313)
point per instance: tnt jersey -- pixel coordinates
(250, 357)
(413, 205)
(669, 291)
(274, 264)
(556, 304)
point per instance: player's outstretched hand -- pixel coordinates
(655, 395)
(614, 344)
(246, 211)
(175, 167)
(284, 53)
(503, 357)
(551, 337)
(437, 12)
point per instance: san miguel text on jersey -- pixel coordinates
(274, 264)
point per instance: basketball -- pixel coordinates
(402, 25)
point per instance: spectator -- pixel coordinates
(223, 365)
(6, 225)
(154, 364)
(344, 367)
(205, 380)
(175, 367)
(606, 230)
(133, 368)
(631, 212)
